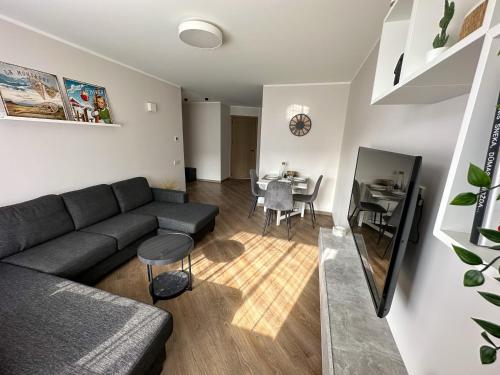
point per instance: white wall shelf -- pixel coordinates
(453, 223)
(409, 28)
(57, 122)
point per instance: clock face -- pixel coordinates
(300, 125)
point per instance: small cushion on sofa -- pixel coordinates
(30, 223)
(91, 205)
(66, 256)
(56, 326)
(125, 228)
(132, 193)
(184, 217)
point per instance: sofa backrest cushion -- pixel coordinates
(30, 223)
(91, 205)
(132, 193)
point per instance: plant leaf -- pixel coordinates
(489, 327)
(488, 354)
(467, 256)
(473, 278)
(497, 279)
(490, 297)
(487, 338)
(491, 234)
(464, 199)
(477, 177)
(498, 197)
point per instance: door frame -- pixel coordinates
(257, 148)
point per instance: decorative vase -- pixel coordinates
(433, 53)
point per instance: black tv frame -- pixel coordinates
(383, 305)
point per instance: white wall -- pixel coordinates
(202, 138)
(207, 139)
(225, 141)
(430, 316)
(251, 112)
(37, 159)
(314, 154)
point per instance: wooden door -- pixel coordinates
(243, 146)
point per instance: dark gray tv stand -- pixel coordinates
(353, 339)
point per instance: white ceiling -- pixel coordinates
(265, 41)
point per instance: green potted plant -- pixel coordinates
(475, 277)
(441, 39)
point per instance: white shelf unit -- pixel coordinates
(410, 28)
(453, 223)
(57, 122)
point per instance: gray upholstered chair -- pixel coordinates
(257, 192)
(278, 197)
(309, 199)
(360, 205)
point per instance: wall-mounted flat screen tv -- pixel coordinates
(383, 201)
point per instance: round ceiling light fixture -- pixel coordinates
(200, 34)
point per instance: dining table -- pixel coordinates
(299, 186)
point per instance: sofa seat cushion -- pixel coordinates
(132, 193)
(55, 326)
(91, 205)
(124, 228)
(66, 256)
(30, 223)
(182, 217)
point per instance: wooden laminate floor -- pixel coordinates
(254, 308)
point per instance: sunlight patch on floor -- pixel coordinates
(269, 282)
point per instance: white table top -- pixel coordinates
(395, 196)
(300, 183)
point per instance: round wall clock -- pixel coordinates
(300, 125)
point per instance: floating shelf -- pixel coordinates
(410, 27)
(453, 223)
(58, 122)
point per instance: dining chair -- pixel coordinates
(257, 192)
(309, 199)
(360, 205)
(278, 197)
(391, 223)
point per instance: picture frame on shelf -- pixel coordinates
(87, 102)
(31, 93)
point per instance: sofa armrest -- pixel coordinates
(172, 196)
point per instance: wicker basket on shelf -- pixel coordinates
(474, 19)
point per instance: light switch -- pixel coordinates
(151, 107)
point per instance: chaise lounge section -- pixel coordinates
(55, 326)
(171, 208)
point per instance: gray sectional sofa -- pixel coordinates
(52, 245)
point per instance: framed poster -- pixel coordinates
(88, 103)
(27, 92)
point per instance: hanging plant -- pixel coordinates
(475, 277)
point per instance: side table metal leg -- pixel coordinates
(150, 273)
(190, 285)
(151, 285)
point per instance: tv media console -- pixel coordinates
(353, 339)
